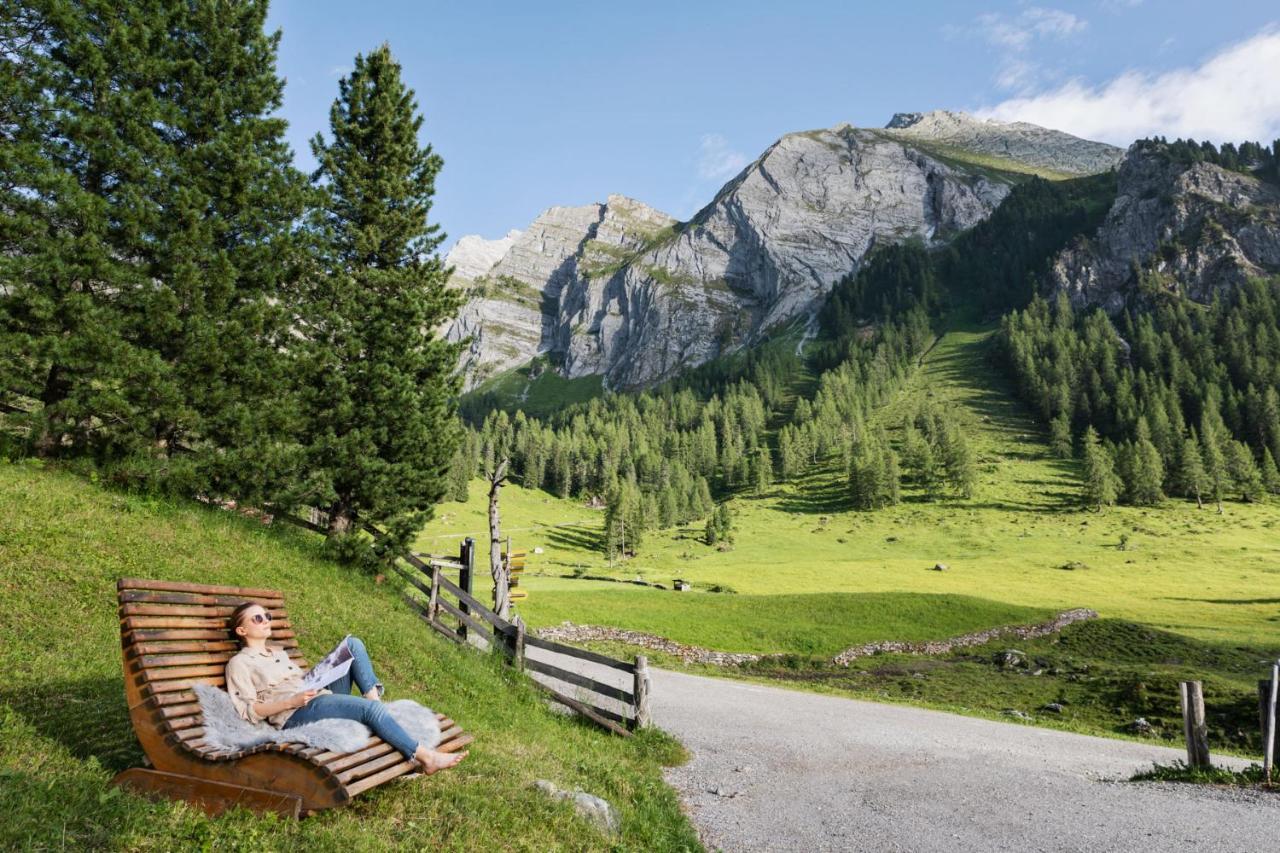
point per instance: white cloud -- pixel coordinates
(1232, 96)
(339, 70)
(717, 160)
(1015, 35)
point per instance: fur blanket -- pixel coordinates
(225, 729)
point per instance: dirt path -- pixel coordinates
(776, 769)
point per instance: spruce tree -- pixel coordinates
(1215, 463)
(1270, 475)
(1147, 474)
(1100, 481)
(957, 461)
(1060, 436)
(1243, 471)
(380, 386)
(1192, 479)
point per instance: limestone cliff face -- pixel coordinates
(1187, 229)
(624, 291)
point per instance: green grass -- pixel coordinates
(1190, 575)
(542, 395)
(65, 731)
(812, 624)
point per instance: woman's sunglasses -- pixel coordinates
(259, 618)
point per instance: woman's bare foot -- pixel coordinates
(430, 761)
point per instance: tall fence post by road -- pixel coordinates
(1267, 713)
(1193, 724)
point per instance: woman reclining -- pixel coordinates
(265, 685)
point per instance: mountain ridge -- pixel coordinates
(622, 290)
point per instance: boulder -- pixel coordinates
(598, 811)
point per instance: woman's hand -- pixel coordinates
(299, 700)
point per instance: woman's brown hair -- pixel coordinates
(237, 617)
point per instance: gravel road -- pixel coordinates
(777, 769)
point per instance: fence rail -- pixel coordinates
(452, 611)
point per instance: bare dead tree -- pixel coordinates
(501, 603)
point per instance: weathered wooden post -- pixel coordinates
(640, 690)
(1193, 724)
(467, 557)
(1269, 733)
(517, 648)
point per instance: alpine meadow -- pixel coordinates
(900, 486)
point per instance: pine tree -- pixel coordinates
(1243, 471)
(957, 461)
(1146, 473)
(1060, 436)
(147, 244)
(379, 385)
(762, 470)
(1192, 479)
(1270, 475)
(1215, 463)
(1100, 481)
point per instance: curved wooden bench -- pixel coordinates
(175, 635)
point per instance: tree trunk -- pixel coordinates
(501, 603)
(56, 388)
(341, 518)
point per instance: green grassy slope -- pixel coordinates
(64, 728)
(1186, 570)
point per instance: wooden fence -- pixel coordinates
(556, 669)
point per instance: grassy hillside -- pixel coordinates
(1181, 569)
(1193, 588)
(64, 728)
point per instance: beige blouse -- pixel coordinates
(263, 676)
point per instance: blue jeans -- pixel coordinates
(341, 705)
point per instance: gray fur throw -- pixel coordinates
(225, 729)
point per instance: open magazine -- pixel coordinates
(332, 667)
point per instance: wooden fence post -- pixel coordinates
(433, 603)
(1193, 724)
(467, 557)
(517, 651)
(1269, 731)
(640, 690)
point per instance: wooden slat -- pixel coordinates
(376, 779)
(578, 680)
(172, 647)
(179, 710)
(183, 684)
(194, 611)
(145, 596)
(344, 761)
(211, 635)
(185, 623)
(479, 609)
(455, 744)
(194, 658)
(208, 589)
(187, 722)
(167, 673)
(451, 634)
(449, 734)
(373, 765)
(580, 654)
(464, 618)
(590, 712)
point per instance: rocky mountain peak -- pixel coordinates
(624, 291)
(1030, 145)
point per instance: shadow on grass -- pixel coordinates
(568, 537)
(87, 716)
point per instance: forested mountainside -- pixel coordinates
(1175, 392)
(627, 293)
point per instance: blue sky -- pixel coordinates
(557, 103)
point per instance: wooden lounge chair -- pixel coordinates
(174, 635)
